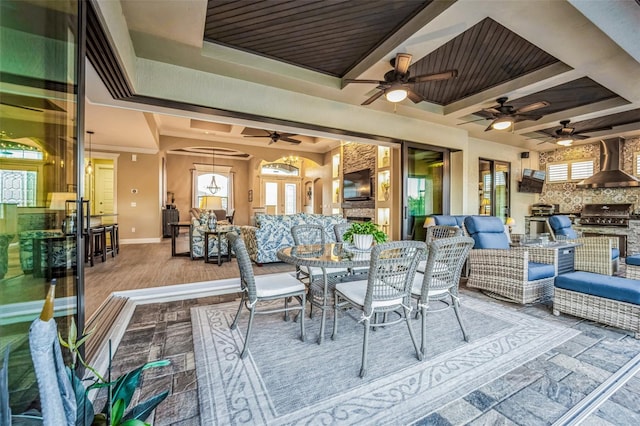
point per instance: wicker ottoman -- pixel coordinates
(605, 299)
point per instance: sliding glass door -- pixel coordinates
(425, 187)
(39, 120)
(493, 188)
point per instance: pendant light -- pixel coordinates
(89, 169)
(213, 187)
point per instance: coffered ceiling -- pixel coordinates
(581, 58)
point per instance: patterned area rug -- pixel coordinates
(286, 381)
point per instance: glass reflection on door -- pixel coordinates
(426, 177)
(38, 177)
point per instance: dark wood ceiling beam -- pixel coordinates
(553, 120)
(549, 76)
(419, 21)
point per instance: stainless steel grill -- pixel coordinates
(606, 214)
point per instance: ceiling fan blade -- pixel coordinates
(532, 107)
(22, 107)
(579, 136)
(253, 136)
(287, 139)
(349, 80)
(415, 98)
(490, 126)
(523, 117)
(444, 75)
(373, 98)
(402, 62)
(595, 129)
(473, 121)
(492, 110)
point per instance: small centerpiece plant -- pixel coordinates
(363, 234)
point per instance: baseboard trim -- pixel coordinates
(140, 240)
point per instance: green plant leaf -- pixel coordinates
(117, 411)
(125, 386)
(144, 409)
(134, 422)
(73, 332)
(84, 406)
(365, 228)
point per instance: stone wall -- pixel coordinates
(359, 157)
(570, 198)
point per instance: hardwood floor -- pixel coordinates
(151, 265)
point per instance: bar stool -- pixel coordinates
(96, 243)
(116, 233)
(110, 247)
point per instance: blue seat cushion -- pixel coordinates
(538, 271)
(609, 287)
(615, 253)
(561, 225)
(488, 232)
(633, 260)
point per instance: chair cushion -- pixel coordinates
(633, 260)
(416, 287)
(355, 291)
(615, 253)
(538, 271)
(610, 287)
(278, 284)
(561, 225)
(449, 220)
(488, 232)
(317, 271)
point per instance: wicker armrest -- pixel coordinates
(542, 255)
(594, 255)
(496, 259)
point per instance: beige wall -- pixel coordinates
(142, 177)
(520, 202)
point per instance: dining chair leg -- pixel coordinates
(286, 308)
(235, 320)
(407, 318)
(303, 304)
(335, 317)
(456, 309)
(323, 320)
(246, 339)
(365, 345)
(423, 329)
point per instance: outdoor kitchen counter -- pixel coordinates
(632, 232)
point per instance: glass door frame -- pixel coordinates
(282, 181)
(491, 211)
(446, 181)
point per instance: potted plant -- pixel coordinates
(363, 234)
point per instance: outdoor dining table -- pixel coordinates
(323, 256)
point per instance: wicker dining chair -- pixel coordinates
(437, 232)
(439, 283)
(388, 288)
(308, 234)
(264, 288)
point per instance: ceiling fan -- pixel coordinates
(565, 135)
(505, 115)
(275, 137)
(397, 83)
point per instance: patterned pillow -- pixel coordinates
(204, 218)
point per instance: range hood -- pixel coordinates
(610, 174)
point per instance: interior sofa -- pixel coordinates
(273, 232)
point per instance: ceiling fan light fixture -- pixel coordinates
(396, 93)
(502, 123)
(564, 141)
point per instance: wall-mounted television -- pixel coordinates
(356, 186)
(532, 181)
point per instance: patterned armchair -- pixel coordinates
(273, 232)
(197, 229)
(5, 239)
(518, 274)
(599, 255)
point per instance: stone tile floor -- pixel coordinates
(539, 392)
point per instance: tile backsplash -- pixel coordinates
(571, 198)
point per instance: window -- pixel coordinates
(202, 175)
(636, 163)
(569, 171)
